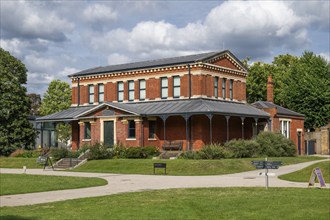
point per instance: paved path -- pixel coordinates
(122, 183)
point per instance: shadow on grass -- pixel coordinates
(14, 217)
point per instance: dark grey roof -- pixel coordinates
(164, 107)
(280, 110)
(66, 115)
(153, 63)
(190, 106)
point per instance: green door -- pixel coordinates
(108, 133)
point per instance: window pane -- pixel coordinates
(101, 97)
(130, 85)
(164, 93)
(131, 129)
(120, 96)
(142, 84)
(91, 89)
(120, 86)
(176, 81)
(131, 95)
(164, 82)
(87, 132)
(142, 94)
(101, 88)
(152, 129)
(176, 92)
(91, 98)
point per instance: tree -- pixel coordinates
(56, 98)
(256, 82)
(35, 103)
(15, 129)
(301, 84)
(307, 89)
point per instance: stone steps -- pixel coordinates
(170, 154)
(66, 163)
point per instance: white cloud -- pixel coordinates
(116, 58)
(252, 27)
(325, 55)
(99, 13)
(36, 63)
(33, 21)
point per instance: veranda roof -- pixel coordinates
(165, 108)
(281, 111)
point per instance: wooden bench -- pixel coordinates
(172, 146)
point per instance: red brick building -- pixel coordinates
(283, 120)
(196, 99)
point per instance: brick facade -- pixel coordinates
(196, 81)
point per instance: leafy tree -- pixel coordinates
(56, 98)
(35, 103)
(301, 84)
(256, 81)
(15, 129)
(307, 89)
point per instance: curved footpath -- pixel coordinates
(122, 183)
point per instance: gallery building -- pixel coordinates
(193, 100)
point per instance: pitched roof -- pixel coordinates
(165, 108)
(66, 115)
(154, 63)
(193, 106)
(280, 110)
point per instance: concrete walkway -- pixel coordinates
(122, 183)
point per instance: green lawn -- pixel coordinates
(25, 183)
(19, 162)
(202, 203)
(304, 174)
(182, 167)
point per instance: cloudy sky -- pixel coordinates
(57, 38)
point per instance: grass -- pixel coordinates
(24, 183)
(201, 203)
(303, 175)
(182, 167)
(19, 162)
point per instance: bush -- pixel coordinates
(59, 152)
(100, 151)
(25, 153)
(134, 153)
(119, 151)
(141, 152)
(212, 151)
(242, 148)
(150, 151)
(194, 155)
(275, 145)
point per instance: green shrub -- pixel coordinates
(59, 152)
(119, 151)
(150, 151)
(275, 145)
(141, 152)
(242, 148)
(194, 155)
(134, 153)
(212, 151)
(100, 151)
(25, 153)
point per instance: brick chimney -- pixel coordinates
(270, 89)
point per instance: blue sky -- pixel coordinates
(57, 38)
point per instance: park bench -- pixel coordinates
(172, 146)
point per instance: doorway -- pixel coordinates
(108, 133)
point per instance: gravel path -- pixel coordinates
(122, 183)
